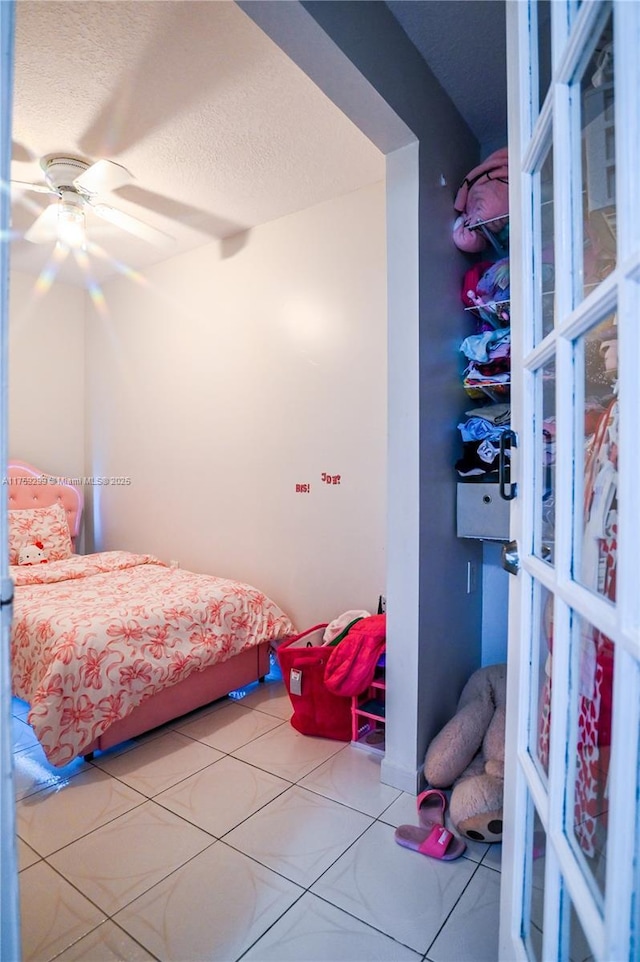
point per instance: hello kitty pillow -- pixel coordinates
(32, 554)
(48, 526)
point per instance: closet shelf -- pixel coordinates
(497, 393)
(501, 249)
(368, 711)
(490, 220)
(488, 306)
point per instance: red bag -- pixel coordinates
(316, 710)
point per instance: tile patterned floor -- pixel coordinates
(227, 835)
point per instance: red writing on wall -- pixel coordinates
(303, 489)
(330, 478)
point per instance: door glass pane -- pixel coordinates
(596, 356)
(541, 724)
(545, 293)
(544, 532)
(535, 868)
(593, 749)
(579, 950)
(544, 48)
(598, 164)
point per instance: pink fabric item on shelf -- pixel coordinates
(352, 663)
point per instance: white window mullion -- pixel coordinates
(558, 762)
(522, 101)
(563, 678)
(628, 596)
(586, 27)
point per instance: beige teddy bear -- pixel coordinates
(468, 753)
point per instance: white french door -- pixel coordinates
(571, 876)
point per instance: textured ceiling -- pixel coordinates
(220, 130)
(464, 42)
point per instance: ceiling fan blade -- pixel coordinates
(45, 227)
(131, 224)
(24, 185)
(102, 177)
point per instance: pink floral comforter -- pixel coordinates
(95, 635)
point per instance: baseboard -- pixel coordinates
(405, 780)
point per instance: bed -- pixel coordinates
(110, 645)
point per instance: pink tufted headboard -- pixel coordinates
(31, 488)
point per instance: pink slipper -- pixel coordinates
(431, 806)
(436, 842)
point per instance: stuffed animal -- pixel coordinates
(468, 753)
(32, 554)
(483, 197)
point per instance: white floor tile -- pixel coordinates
(107, 943)
(54, 914)
(314, 931)
(223, 795)
(352, 777)
(295, 812)
(119, 861)
(160, 763)
(470, 934)
(19, 708)
(32, 772)
(64, 813)
(231, 727)
(23, 735)
(26, 855)
(271, 697)
(210, 910)
(402, 893)
(288, 754)
(401, 812)
(493, 857)
(299, 834)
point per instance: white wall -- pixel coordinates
(234, 373)
(46, 375)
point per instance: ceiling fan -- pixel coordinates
(78, 186)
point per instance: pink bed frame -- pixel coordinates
(40, 490)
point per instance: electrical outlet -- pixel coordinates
(382, 604)
(472, 577)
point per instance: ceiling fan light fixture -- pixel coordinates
(71, 225)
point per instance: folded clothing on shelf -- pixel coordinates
(488, 346)
(495, 413)
(479, 457)
(481, 442)
(479, 429)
